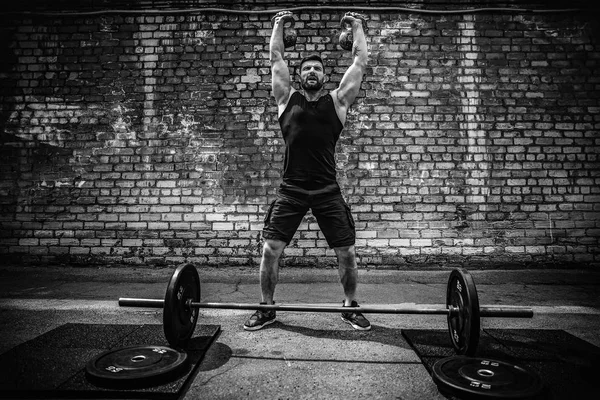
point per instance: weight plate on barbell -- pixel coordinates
(464, 322)
(467, 377)
(179, 320)
(136, 366)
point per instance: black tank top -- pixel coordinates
(310, 130)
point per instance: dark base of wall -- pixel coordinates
(504, 262)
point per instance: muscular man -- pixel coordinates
(311, 121)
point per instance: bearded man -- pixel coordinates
(311, 122)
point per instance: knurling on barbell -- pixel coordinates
(182, 301)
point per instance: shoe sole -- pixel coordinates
(357, 327)
(258, 327)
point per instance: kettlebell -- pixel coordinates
(346, 38)
(289, 34)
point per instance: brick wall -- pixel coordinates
(151, 138)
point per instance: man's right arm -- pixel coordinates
(280, 75)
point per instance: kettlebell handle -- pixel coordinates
(289, 34)
(286, 17)
(346, 39)
(346, 25)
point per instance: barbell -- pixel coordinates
(182, 301)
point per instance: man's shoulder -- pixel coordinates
(333, 94)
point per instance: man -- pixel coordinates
(311, 121)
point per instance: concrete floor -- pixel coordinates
(303, 355)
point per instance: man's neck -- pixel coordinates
(313, 95)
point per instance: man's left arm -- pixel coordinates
(349, 87)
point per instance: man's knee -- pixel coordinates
(272, 249)
(346, 256)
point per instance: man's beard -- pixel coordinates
(312, 85)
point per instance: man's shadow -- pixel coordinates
(377, 334)
(220, 354)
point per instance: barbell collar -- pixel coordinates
(485, 311)
(505, 312)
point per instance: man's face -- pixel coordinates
(312, 75)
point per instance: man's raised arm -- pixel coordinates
(346, 93)
(280, 75)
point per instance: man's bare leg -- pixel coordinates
(269, 274)
(269, 268)
(348, 271)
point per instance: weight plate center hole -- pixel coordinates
(485, 373)
(138, 358)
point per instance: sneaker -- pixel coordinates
(356, 319)
(259, 320)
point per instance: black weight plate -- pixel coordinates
(136, 366)
(179, 320)
(463, 325)
(468, 377)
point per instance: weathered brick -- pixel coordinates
(182, 141)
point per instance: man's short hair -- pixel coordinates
(312, 57)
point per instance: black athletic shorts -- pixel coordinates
(328, 206)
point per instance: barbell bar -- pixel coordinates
(484, 311)
(182, 301)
